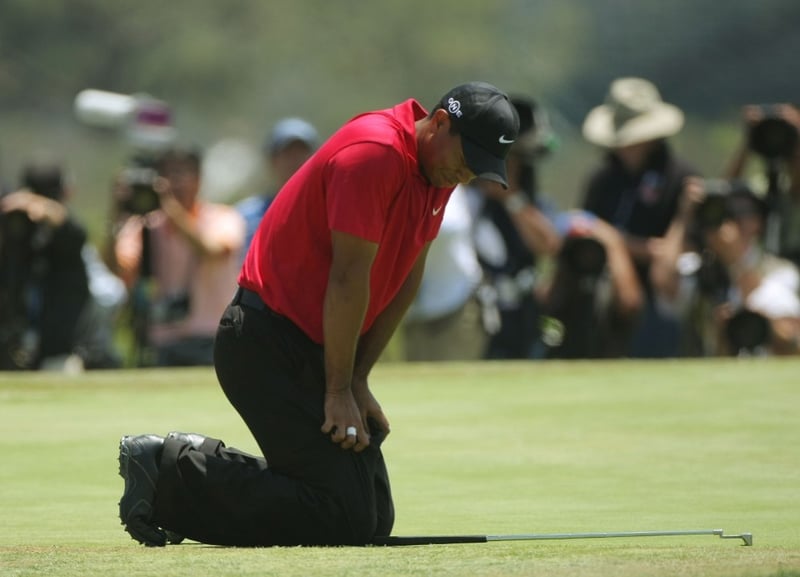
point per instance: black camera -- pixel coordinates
(20, 265)
(584, 255)
(725, 200)
(142, 196)
(20, 236)
(773, 137)
(748, 331)
(16, 230)
(713, 210)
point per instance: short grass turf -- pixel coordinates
(486, 448)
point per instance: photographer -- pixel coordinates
(595, 298)
(179, 261)
(512, 232)
(44, 289)
(744, 298)
(772, 134)
(636, 189)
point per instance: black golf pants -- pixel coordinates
(306, 490)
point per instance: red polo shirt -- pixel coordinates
(364, 181)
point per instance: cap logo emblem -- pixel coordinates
(454, 107)
(504, 140)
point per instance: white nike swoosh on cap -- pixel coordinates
(504, 140)
(435, 211)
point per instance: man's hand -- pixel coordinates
(369, 407)
(38, 208)
(342, 415)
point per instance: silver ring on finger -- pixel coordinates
(351, 432)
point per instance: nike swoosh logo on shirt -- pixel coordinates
(504, 140)
(437, 211)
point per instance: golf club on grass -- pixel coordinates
(747, 538)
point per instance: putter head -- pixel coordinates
(747, 538)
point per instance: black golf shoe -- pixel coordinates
(138, 465)
(193, 439)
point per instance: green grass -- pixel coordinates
(489, 448)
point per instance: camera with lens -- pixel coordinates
(20, 236)
(146, 123)
(724, 200)
(773, 137)
(16, 233)
(713, 210)
(748, 331)
(141, 196)
(584, 255)
(581, 253)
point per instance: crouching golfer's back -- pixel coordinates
(333, 267)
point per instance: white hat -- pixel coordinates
(774, 300)
(633, 113)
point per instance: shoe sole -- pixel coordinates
(135, 525)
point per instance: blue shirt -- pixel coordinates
(252, 210)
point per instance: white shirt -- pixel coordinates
(452, 270)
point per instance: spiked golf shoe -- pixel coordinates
(138, 466)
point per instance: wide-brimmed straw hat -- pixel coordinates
(632, 113)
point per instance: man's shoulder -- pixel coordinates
(389, 126)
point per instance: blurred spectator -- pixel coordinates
(49, 316)
(594, 299)
(290, 143)
(511, 233)
(772, 134)
(753, 296)
(637, 190)
(444, 323)
(179, 262)
(108, 299)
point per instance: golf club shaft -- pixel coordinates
(449, 539)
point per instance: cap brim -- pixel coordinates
(484, 164)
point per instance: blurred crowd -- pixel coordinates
(655, 261)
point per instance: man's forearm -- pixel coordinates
(343, 315)
(345, 306)
(373, 343)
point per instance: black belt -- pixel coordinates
(249, 299)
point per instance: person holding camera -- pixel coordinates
(180, 259)
(760, 282)
(512, 232)
(772, 134)
(637, 190)
(594, 297)
(44, 286)
(746, 299)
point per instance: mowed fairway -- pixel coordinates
(490, 448)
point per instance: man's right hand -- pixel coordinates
(341, 416)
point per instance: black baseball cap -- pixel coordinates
(488, 124)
